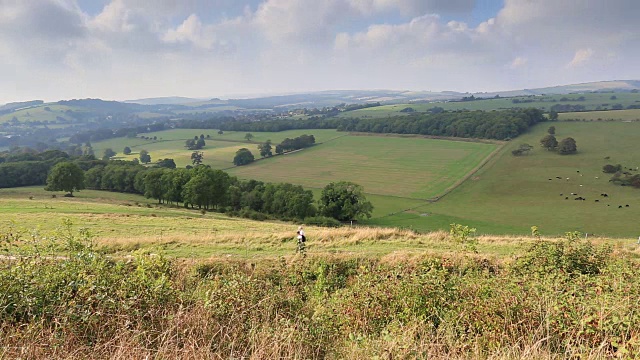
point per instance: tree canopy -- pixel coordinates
(65, 176)
(567, 146)
(344, 201)
(243, 157)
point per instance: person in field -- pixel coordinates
(301, 240)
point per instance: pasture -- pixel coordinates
(218, 152)
(624, 115)
(511, 194)
(592, 101)
(414, 168)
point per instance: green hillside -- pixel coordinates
(513, 193)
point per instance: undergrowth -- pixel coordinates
(60, 297)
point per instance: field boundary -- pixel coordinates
(432, 137)
(473, 171)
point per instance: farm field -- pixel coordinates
(625, 115)
(413, 168)
(511, 194)
(592, 101)
(218, 152)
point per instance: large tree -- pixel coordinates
(549, 142)
(344, 201)
(567, 146)
(243, 157)
(127, 150)
(65, 176)
(196, 158)
(108, 153)
(145, 157)
(265, 149)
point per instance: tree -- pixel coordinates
(549, 142)
(265, 149)
(166, 163)
(551, 130)
(65, 176)
(344, 201)
(220, 132)
(200, 143)
(243, 157)
(108, 153)
(611, 169)
(196, 158)
(145, 157)
(522, 149)
(567, 146)
(127, 150)
(553, 115)
(248, 136)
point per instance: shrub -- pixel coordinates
(322, 221)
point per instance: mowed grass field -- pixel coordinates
(511, 194)
(415, 168)
(219, 151)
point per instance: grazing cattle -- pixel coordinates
(597, 200)
(597, 177)
(626, 205)
(567, 179)
(574, 194)
(577, 170)
(550, 179)
(580, 184)
(566, 198)
(619, 206)
(558, 177)
(608, 205)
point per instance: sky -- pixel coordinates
(131, 49)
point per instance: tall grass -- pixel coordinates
(60, 297)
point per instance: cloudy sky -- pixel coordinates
(127, 49)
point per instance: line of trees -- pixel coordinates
(499, 125)
(208, 189)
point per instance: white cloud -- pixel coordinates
(211, 47)
(518, 62)
(581, 57)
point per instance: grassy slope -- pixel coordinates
(403, 167)
(218, 153)
(592, 101)
(631, 114)
(514, 192)
(123, 222)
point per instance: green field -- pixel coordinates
(625, 115)
(414, 168)
(218, 152)
(513, 193)
(593, 101)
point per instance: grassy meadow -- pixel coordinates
(624, 115)
(593, 101)
(121, 223)
(218, 152)
(511, 194)
(415, 168)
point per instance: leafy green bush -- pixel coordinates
(571, 255)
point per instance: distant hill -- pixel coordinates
(4, 109)
(167, 100)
